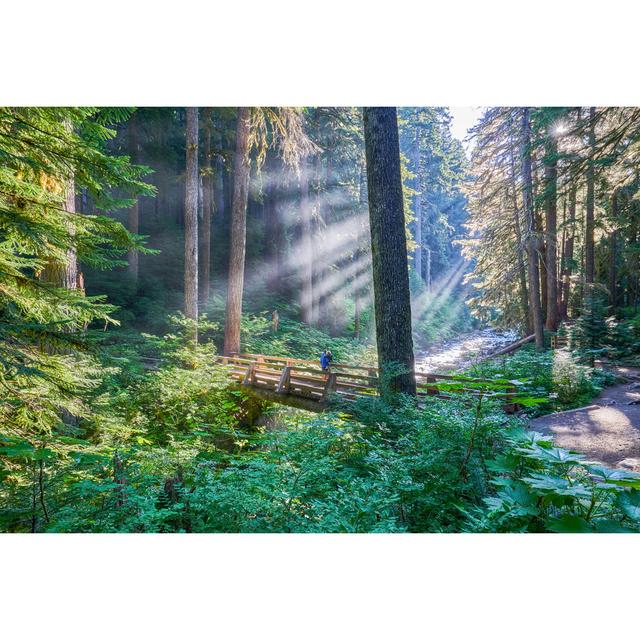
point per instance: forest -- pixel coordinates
(172, 280)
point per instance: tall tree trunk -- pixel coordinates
(532, 239)
(418, 206)
(567, 255)
(204, 253)
(191, 218)
(306, 248)
(551, 224)
(632, 259)
(589, 247)
(218, 177)
(241, 173)
(427, 268)
(542, 264)
(522, 276)
(318, 216)
(66, 275)
(360, 253)
(613, 247)
(389, 247)
(271, 222)
(563, 244)
(325, 217)
(134, 211)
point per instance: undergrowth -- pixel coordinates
(168, 446)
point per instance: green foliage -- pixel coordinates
(144, 420)
(46, 370)
(623, 337)
(541, 488)
(588, 335)
(554, 376)
(301, 341)
(49, 374)
(407, 470)
(172, 448)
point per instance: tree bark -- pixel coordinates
(316, 257)
(567, 255)
(389, 248)
(632, 259)
(542, 265)
(613, 250)
(191, 218)
(66, 275)
(235, 288)
(532, 240)
(551, 230)
(359, 288)
(134, 211)
(418, 207)
(522, 276)
(271, 223)
(204, 253)
(589, 248)
(306, 248)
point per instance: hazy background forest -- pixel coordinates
(307, 245)
(140, 244)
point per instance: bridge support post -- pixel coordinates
(330, 385)
(285, 380)
(249, 375)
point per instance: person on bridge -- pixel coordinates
(325, 360)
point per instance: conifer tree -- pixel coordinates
(532, 244)
(389, 248)
(204, 236)
(191, 218)
(44, 370)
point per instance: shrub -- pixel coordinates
(541, 488)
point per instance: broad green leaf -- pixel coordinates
(629, 502)
(557, 485)
(556, 455)
(569, 524)
(612, 526)
(612, 475)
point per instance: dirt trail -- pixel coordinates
(608, 430)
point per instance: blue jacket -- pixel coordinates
(324, 360)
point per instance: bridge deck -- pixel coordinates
(302, 383)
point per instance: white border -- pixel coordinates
(336, 52)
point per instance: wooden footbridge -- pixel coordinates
(301, 383)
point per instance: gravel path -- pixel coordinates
(607, 431)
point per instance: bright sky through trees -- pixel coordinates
(463, 118)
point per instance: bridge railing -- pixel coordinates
(294, 376)
(371, 371)
(304, 379)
